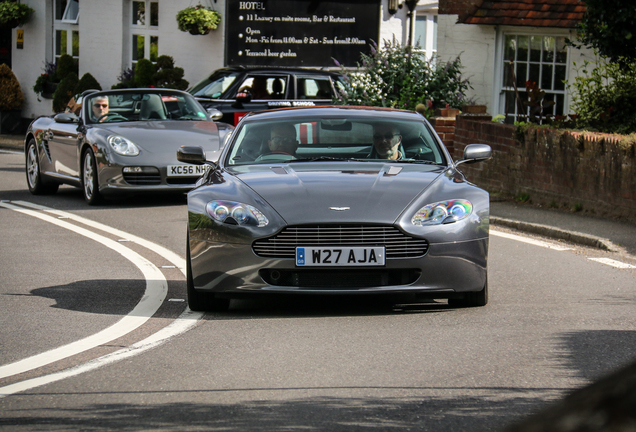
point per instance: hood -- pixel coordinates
(167, 136)
(340, 192)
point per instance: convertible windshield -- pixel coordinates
(335, 139)
(142, 106)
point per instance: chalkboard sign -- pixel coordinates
(299, 32)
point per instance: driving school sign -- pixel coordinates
(299, 32)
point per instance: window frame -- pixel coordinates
(145, 30)
(499, 88)
(430, 46)
(69, 25)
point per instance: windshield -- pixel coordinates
(215, 85)
(346, 138)
(143, 106)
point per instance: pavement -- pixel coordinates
(604, 406)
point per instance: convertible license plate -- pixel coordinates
(339, 256)
(186, 170)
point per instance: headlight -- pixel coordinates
(123, 146)
(443, 212)
(236, 213)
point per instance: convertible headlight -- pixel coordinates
(443, 212)
(236, 213)
(123, 146)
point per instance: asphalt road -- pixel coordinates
(556, 321)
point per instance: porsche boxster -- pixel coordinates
(336, 200)
(121, 141)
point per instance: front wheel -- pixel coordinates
(36, 183)
(201, 301)
(472, 299)
(90, 184)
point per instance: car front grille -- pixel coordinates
(142, 178)
(396, 243)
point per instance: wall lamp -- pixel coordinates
(394, 5)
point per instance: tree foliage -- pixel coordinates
(604, 97)
(609, 26)
(397, 76)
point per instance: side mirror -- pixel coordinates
(66, 117)
(241, 98)
(193, 155)
(475, 153)
(214, 114)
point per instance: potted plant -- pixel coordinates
(14, 14)
(198, 20)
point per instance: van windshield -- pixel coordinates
(214, 86)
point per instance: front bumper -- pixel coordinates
(447, 268)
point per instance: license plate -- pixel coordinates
(186, 170)
(339, 256)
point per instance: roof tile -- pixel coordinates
(532, 13)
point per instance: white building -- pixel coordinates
(101, 35)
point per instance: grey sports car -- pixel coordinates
(336, 200)
(121, 141)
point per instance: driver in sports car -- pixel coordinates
(283, 140)
(100, 107)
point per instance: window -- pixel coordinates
(314, 88)
(263, 87)
(537, 60)
(66, 29)
(425, 33)
(71, 12)
(144, 30)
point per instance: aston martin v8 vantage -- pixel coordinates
(336, 200)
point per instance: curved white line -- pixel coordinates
(156, 290)
(182, 324)
(164, 252)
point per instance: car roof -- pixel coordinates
(332, 110)
(139, 90)
(275, 69)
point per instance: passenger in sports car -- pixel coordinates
(387, 142)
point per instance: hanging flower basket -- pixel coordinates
(13, 15)
(198, 20)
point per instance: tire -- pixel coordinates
(201, 301)
(472, 299)
(36, 183)
(90, 183)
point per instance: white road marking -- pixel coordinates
(181, 325)
(164, 252)
(154, 295)
(529, 240)
(613, 263)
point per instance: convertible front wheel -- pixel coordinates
(90, 184)
(36, 183)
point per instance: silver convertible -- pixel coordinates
(336, 200)
(121, 141)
